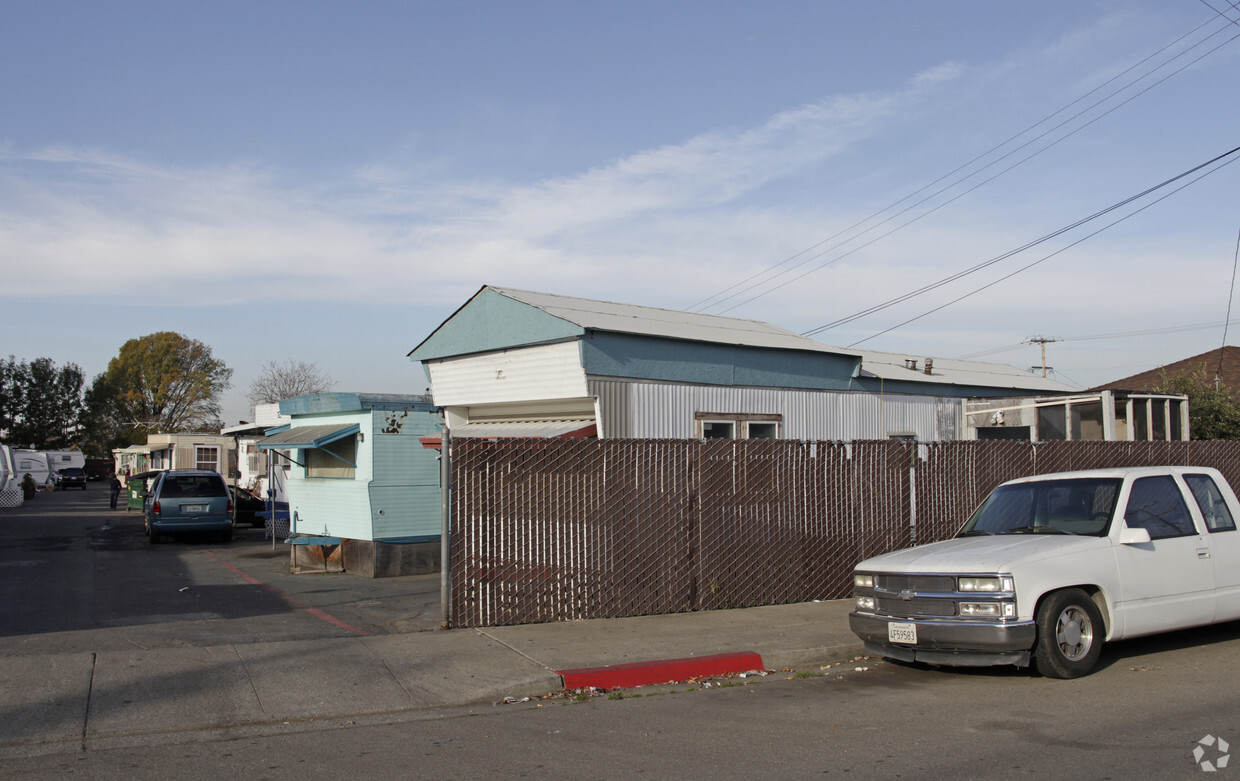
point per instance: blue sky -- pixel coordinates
(326, 182)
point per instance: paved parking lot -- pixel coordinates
(76, 576)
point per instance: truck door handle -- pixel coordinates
(1203, 553)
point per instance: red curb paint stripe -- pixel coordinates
(620, 676)
(314, 611)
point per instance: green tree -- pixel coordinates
(163, 383)
(103, 429)
(11, 389)
(1213, 412)
(40, 404)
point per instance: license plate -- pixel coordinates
(193, 508)
(902, 633)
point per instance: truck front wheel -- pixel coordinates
(1070, 634)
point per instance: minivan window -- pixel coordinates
(193, 485)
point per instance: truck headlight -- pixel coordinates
(980, 584)
(863, 581)
(865, 603)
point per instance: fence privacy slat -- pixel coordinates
(549, 530)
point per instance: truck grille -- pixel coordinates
(940, 584)
(917, 607)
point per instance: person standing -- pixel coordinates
(115, 490)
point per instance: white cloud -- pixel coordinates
(93, 219)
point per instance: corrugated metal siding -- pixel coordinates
(666, 411)
(545, 372)
(614, 407)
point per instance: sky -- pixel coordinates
(327, 182)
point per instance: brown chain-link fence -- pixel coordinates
(556, 529)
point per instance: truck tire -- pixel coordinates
(1070, 634)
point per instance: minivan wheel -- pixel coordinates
(1070, 634)
(152, 534)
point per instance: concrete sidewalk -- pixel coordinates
(71, 702)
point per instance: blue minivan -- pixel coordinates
(188, 501)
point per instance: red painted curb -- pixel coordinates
(619, 676)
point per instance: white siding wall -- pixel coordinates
(551, 371)
(666, 411)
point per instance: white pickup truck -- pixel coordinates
(1050, 567)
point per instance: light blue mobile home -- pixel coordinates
(362, 490)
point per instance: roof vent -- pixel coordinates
(910, 363)
(929, 366)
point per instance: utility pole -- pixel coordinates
(1042, 340)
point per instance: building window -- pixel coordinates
(762, 429)
(333, 460)
(718, 429)
(712, 425)
(206, 458)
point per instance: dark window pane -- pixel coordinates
(1210, 499)
(1157, 506)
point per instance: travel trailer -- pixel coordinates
(33, 463)
(10, 488)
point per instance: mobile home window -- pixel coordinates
(207, 458)
(718, 429)
(333, 460)
(762, 429)
(728, 425)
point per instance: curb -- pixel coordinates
(620, 676)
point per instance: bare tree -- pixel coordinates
(279, 381)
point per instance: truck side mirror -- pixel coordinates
(1129, 536)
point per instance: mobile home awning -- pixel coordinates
(563, 429)
(307, 437)
(528, 428)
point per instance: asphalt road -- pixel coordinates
(76, 576)
(1141, 717)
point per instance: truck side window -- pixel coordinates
(1156, 505)
(1213, 507)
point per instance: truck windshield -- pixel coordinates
(1075, 506)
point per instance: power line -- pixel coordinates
(1053, 254)
(999, 258)
(1174, 329)
(719, 298)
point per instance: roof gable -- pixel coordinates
(492, 320)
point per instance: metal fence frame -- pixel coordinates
(545, 530)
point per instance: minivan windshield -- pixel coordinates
(1073, 506)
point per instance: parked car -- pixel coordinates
(187, 501)
(71, 477)
(1051, 567)
(248, 506)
